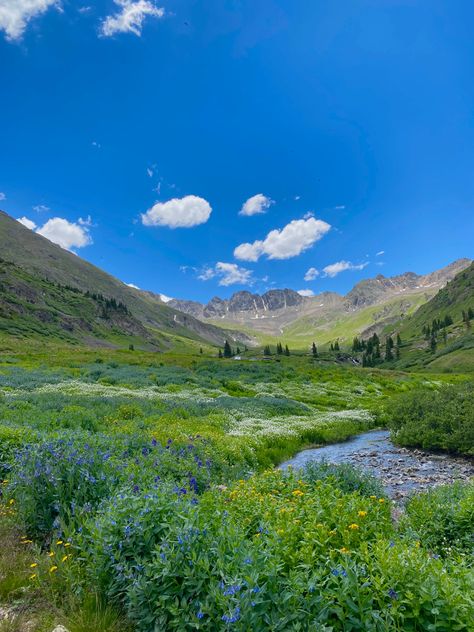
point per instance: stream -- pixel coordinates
(401, 470)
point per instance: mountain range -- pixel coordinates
(49, 292)
(370, 306)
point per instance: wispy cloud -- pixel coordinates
(227, 273)
(130, 18)
(16, 14)
(311, 274)
(380, 253)
(306, 293)
(334, 269)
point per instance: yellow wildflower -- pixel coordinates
(33, 576)
(344, 550)
(53, 568)
(353, 526)
(381, 500)
(373, 497)
(59, 542)
(64, 558)
(361, 514)
(51, 554)
(34, 565)
(67, 544)
(298, 492)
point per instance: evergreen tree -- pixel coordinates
(131, 347)
(287, 351)
(388, 349)
(279, 348)
(227, 350)
(314, 350)
(220, 354)
(200, 350)
(267, 351)
(433, 343)
(399, 341)
(238, 351)
(470, 313)
(336, 345)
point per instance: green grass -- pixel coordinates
(135, 474)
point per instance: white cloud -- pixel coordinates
(165, 299)
(311, 274)
(228, 273)
(41, 208)
(15, 15)
(2, 196)
(340, 266)
(131, 17)
(135, 287)
(185, 212)
(380, 253)
(297, 197)
(149, 172)
(341, 207)
(85, 222)
(255, 205)
(306, 292)
(290, 241)
(66, 234)
(27, 222)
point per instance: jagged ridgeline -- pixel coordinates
(48, 291)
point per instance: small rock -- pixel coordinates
(60, 628)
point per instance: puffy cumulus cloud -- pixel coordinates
(60, 231)
(340, 266)
(29, 223)
(130, 18)
(66, 234)
(228, 274)
(185, 212)
(311, 274)
(290, 241)
(255, 205)
(15, 15)
(306, 292)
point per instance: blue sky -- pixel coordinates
(351, 121)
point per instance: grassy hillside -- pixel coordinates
(453, 346)
(46, 261)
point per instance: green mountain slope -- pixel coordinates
(451, 346)
(45, 261)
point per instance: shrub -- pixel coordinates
(440, 420)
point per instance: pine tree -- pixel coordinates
(433, 343)
(287, 351)
(267, 351)
(279, 348)
(388, 349)
(227, 350)
(314, 350)
(238, 351)
(220, 354)
(200, 350)
(336, 345)
(332, 347)
(470, 313)
(399, 341)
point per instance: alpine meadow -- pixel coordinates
(236, 316)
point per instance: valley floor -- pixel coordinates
(140, 493)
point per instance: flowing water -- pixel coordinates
(402, 471)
